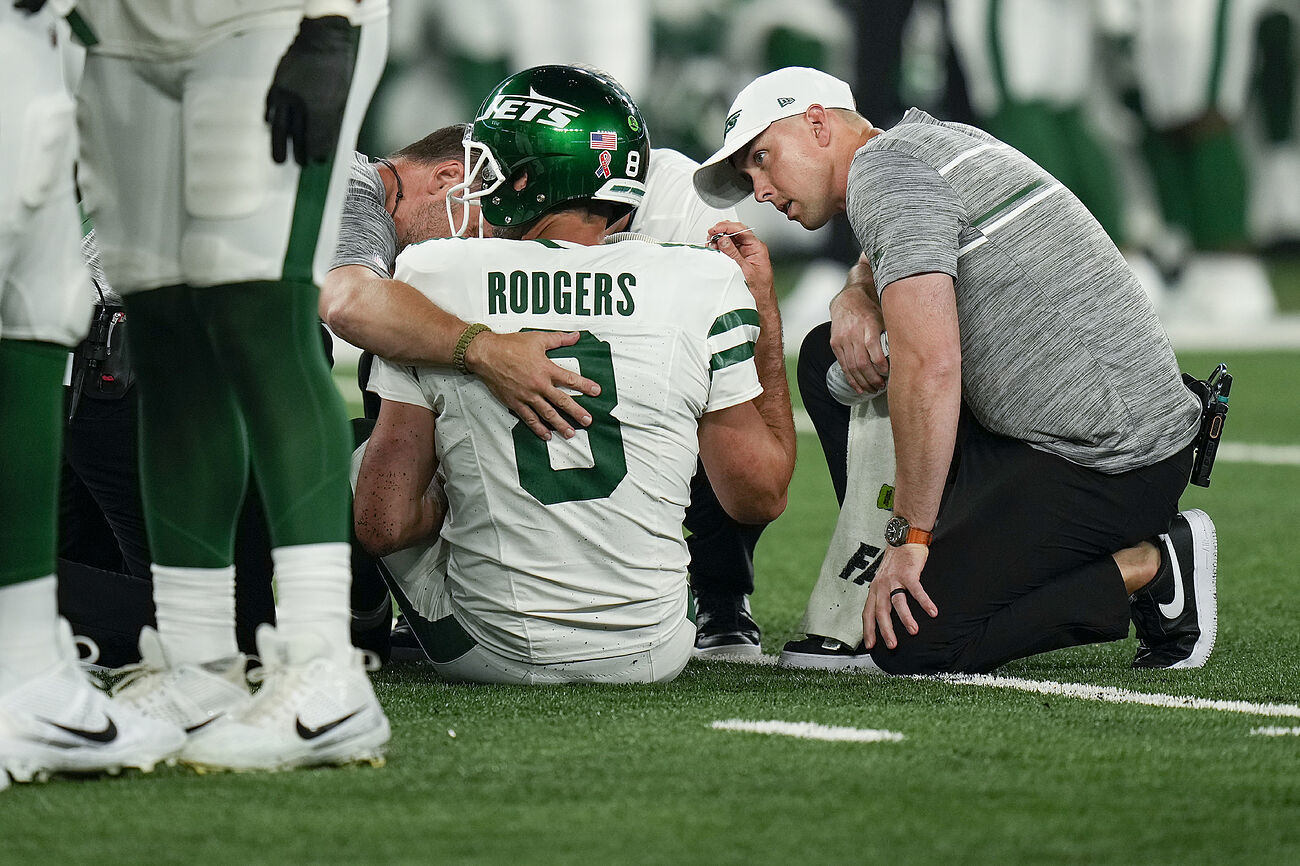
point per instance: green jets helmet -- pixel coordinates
(574, 131)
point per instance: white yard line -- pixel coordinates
(1276, 732)
(1229, 452)
(1112, 695)
(809, 731)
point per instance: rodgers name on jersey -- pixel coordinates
(581, 293)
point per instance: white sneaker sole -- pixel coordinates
(822, 662)
(743, 651)
(1205, 547)
(366, 747)
(38, 768)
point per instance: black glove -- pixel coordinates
(29, 6)
(310, 90)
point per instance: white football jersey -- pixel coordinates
(171, 29)
(672, 210)
(567, 550)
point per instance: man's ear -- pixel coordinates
(819, 123)
(445, 175)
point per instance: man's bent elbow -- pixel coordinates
(759, 507)
(338, 302)
(376, 537)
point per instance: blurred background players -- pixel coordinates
(51, 717)
(215, 246)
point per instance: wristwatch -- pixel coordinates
(899, 532)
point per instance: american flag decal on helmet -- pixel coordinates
(604, 141)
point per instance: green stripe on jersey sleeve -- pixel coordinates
(734, 355)
(734, 319)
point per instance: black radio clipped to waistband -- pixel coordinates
(1213, 394)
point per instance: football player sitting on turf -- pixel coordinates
(561, 560)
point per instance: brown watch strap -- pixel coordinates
(918, 536)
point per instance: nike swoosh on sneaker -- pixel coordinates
(312, 733)
(106, 735)
(192, 728)
(1174, 607)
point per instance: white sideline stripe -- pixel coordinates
(809, 731)
(1229, 452)
(1112, 695)
(1276, 732)
(1270, 455)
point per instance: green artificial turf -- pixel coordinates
(636, 775)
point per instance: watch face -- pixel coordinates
(896, 531)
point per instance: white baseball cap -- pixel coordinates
(765, 100)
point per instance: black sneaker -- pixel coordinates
(824, 654)
(1176, 614)
(406, 648)
(725, 627)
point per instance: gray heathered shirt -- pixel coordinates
(367, 235)
(1060, 346)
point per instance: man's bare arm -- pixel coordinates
(396, 505)
(925, 390)
(748, 450)
(856, 323)
(396, 321)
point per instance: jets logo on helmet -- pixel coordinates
(530, 150)
(529, 109)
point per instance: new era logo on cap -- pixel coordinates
(784, 101)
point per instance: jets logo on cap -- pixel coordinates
(784, 101)
(731, 123)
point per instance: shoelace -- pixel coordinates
(137, 673)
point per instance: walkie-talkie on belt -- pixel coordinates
(1213, 393)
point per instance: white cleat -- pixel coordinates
(311, 710)
(59, 722)
(188, 696)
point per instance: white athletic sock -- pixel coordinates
(29, 633)
(195, 609)
(313, 584)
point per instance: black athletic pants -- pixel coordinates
(1021, 558)
(105, 588)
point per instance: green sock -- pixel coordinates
(1170, 170)
(31, 428)
(1219, 184)
(231, 375)
(299, 440)
(193, 446)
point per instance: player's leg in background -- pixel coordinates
(1194, 61)
(258, 233)
(830, 417)
(722, 574)
(45, 700)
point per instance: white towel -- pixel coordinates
(835, 607)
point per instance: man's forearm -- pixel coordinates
(389, 318)
(769, 358)
(924, 405)
(861, 283)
